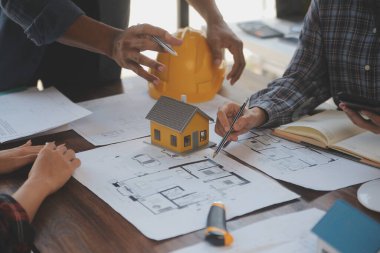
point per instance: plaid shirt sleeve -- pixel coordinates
(16, 234)
(304, 84)
(43, 21)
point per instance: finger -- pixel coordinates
(219, 129)
(375, 118)
(50, 146)
(69, 155)
(62, 149)
(27, 144)
(239, 63)
(216, 51)
(26, 150)
(241, 123)
(144, 43)
(360, 121)
(142, 72)
(23, 160)
(146, 61)
(75, 163)
(223, 120)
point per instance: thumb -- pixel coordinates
(26, 144)
(241, 123)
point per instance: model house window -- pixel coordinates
(203, 135)
(157, 135)
(173, 140)
(187, 141)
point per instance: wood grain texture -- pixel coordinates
(76, 220)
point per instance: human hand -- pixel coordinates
(129, 44)
(371, 124)
(251, 118)
(15, 158)
(53, 167)
(220, 36)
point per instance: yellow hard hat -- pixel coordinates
(191, 72)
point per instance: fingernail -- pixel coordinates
(156, 82)
(161, 68)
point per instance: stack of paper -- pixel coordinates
(31, 111)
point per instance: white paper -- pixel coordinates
(122, 117)
(290, 233)
(297, 164)
(211, 107)
(31, 111)
(116, 118)
(166, 195)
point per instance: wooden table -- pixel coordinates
(76, 220)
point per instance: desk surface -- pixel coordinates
(76, 220)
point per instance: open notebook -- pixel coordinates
(333, 129)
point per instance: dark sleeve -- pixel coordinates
(304, 84)
(16, 233)
(43, 21)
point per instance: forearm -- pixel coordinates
(30, 196)
(89, 34)
(43, 21)
(207, 9)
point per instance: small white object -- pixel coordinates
(184, 98)
(374, 30)
(368, 195)
(367, 67)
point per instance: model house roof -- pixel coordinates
(173, 113)
(348, 230)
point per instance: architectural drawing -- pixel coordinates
(172, 194)
(302, 165)
(164, 194)
(288, 156)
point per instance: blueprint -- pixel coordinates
(298, 164)
(165, 195)
(122, 117)
(289, 233)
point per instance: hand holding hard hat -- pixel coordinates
(219, 37)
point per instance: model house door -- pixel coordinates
(195, 139)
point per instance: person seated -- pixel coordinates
(337, 52)
(52, 168)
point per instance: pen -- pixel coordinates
(164, 45)
(222, 142)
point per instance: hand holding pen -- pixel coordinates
(250, 118)
(128, 46)
(225, 137)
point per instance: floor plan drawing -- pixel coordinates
(298, 164)
(164, 194)
(171, 193)
(288, 156)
